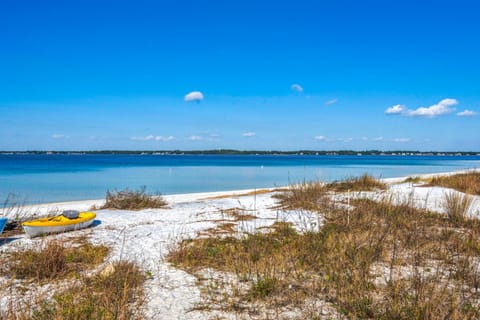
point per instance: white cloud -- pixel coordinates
(161, 138)
(445, 106)
(320, 138)
(331, 101)
(193, 96)
(151, 137)
(59, 136)
(249, 134)
(401, 140)
(146, 138)
(296, 87)
(396, 109)
(378, 139)
(195, 138)
(466, 113)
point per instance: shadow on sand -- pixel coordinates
(7, 240)
(95, 223)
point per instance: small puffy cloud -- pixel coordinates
(146, 138)
(151, 137)
(396, 109)
(331, 101)
(445, 106)
(161, 138)
(249, 134)
(296, 87)
(193, 96)
(195, 138)
(466, 113)
(59, 136)
(378, 139)
(401, 140)
(320, 138)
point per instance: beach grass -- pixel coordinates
(456, 205)
(364, 182)
(114, 293)
(54, 259)
(468, 182)
(14, 210)
(128, 199)
(370, 260)
(413, 179)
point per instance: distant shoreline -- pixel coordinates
(249, 152)
(86, 204)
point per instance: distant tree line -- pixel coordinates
(252, 152)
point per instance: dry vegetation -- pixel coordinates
(53, 260)
(456, 206)
(465, 182)
(14, 210)
(116, 294)
(372, 260)
(132, 200)
(414, 179)
(362, 183)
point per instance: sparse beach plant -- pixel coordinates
(304, 195)
(14, 211)
(53, 259)
(468, 182)
(363, 183)
(116, 295)
(132, 200)
(414, 179)
(456, 205)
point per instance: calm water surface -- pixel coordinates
(52, 178)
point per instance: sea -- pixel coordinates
(45, 178)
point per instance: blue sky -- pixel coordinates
(284, 75)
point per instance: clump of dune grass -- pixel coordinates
(132, 200)
(456, 205)
(14, 210)
(385, 261)
(468, 182)
(363, 183)
(116, 295)
(414, 179)
(304, 195)
(53, 260)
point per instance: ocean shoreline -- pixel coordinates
(38, 179)
(191, 196)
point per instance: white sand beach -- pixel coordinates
(146, 236)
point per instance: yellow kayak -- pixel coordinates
(58, 224)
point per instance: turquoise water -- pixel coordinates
(52, 178)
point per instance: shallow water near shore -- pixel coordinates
(54, 178)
